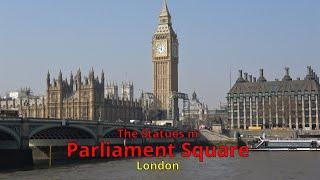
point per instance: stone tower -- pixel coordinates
(111, 91)
(127, 91)
(78, 99)
(165, 61)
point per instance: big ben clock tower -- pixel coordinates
(165, 60)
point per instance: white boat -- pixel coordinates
(263, 144)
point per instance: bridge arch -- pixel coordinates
(68, 130)
(11, 133)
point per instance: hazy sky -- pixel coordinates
(115, 35)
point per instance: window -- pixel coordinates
(84, 112)
(53, 112)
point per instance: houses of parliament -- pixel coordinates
(81, 99)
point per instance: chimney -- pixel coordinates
(246, 77)
(261, 72)
(287, 75)
(240, 78)
(261, 78)
(310, 73)
(287, 71)
(240, 73)
(309, 70)
(250, 78)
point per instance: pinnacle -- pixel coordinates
(165, 10)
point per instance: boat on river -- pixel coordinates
(264, 144)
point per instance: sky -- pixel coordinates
(217, 38)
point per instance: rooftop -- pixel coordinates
(252, 85)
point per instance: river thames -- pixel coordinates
(259, 165)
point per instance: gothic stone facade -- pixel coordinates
(282, 103)
(76, 99)
(165, 61)
(126, 93)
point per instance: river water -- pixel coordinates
(259, 165)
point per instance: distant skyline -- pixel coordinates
(115, 35)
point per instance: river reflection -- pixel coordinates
(259, 165)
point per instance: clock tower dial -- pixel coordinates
(165, 60)
(161, 49)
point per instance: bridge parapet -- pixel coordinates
(309, 133)
(26, 132)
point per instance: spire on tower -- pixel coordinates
(165, 10)
(78, 78)
(102, 77)
(165, 17)
(48, 78)
(71, 79)
(60, 76)
(91, 74)
(79, 72)
(48, 75)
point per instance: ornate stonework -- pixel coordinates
(165, 60)
(285, 103)
(80, 99)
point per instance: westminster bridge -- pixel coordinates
(20, 133)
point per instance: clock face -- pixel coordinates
(161, 49)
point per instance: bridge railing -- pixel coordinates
(72, 121)
(10, 118)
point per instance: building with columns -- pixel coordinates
(284, 103)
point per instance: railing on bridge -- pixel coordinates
(36, 131)
(50, 120)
